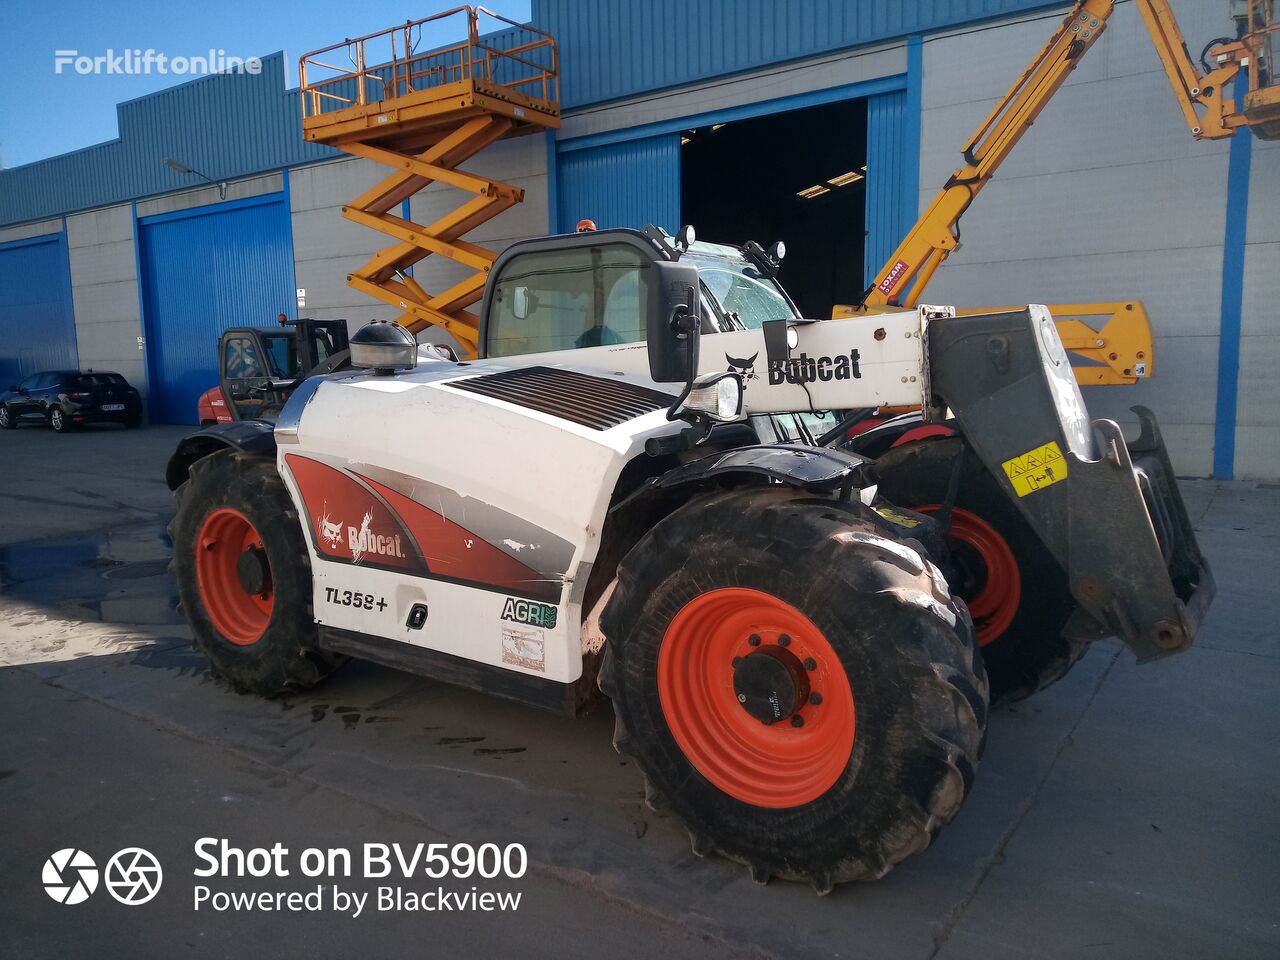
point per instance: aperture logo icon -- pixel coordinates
(133, 876)
(70, 876)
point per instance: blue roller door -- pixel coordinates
(203, 270)
(892, 174)
(627, 184)
(37, 327)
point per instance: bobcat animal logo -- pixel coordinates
(746, 367)
(330, 531)
(70, 876)
(133, 876)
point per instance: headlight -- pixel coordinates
(717, 395)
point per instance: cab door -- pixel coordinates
(246, 379)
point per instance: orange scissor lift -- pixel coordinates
(424, 114)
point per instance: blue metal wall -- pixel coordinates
(203, 270)
(626, 184)
(37, 329)
(225, 126)
(891, 179)
(616, 48)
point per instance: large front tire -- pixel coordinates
(1015, 589)
(244, 577)
(728, 617)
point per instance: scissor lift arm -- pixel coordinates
(1122, 351)
(424, 115)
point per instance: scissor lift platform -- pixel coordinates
(423, 114)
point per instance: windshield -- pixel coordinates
(282, 353)
(739, 288)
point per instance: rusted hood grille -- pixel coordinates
(595, 402)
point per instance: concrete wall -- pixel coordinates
(770, 83)
(25, 231)
(104, 292)
(327, 247)
(1109, 197)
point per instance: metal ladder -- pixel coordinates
(424, 115)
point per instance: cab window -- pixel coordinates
(241, 359)
(567, 300)
(282, 354)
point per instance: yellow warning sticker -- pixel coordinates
(901, 519)
(1036, 469)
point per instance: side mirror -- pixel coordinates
(384, 346)
(673, 322)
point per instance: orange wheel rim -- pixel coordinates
(701, 669)
(233, 576)
(995, 590)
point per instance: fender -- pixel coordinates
(810, 468)
(256, 437)
(896, 431)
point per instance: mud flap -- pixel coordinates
(1110, 512)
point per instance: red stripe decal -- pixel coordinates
(455, 552)
(348, 521)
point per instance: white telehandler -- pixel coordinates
(603, 501)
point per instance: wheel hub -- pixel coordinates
(771, 684)
(253, 571)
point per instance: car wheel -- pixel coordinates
(58, 420)
(7, 420)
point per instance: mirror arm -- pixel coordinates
(683, 320)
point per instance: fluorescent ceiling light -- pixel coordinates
(845, 179)
(816, 190)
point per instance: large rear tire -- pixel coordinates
(728, 618)
(244, 577)
(1015, 589)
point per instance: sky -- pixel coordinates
(44, 113)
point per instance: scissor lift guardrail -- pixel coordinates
(423, 115)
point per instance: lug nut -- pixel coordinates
(815, 698)
(797, 721)
(784, 640)
(754, 639)
(810, 663)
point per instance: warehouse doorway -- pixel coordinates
(799, 177)
(205, 269)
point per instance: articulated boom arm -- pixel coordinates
(902, 280)
(1123, 347)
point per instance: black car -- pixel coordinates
(68, 398)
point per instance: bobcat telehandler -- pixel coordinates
(599, 500)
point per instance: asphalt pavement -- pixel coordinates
(1126, 812)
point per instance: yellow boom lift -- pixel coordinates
(423, 114)
(1121, 350)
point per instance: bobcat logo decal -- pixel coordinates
(745, 367)
(330, 532)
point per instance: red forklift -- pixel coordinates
(258, 367)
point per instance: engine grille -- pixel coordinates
(595, 402)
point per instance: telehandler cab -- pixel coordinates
(602, 500)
